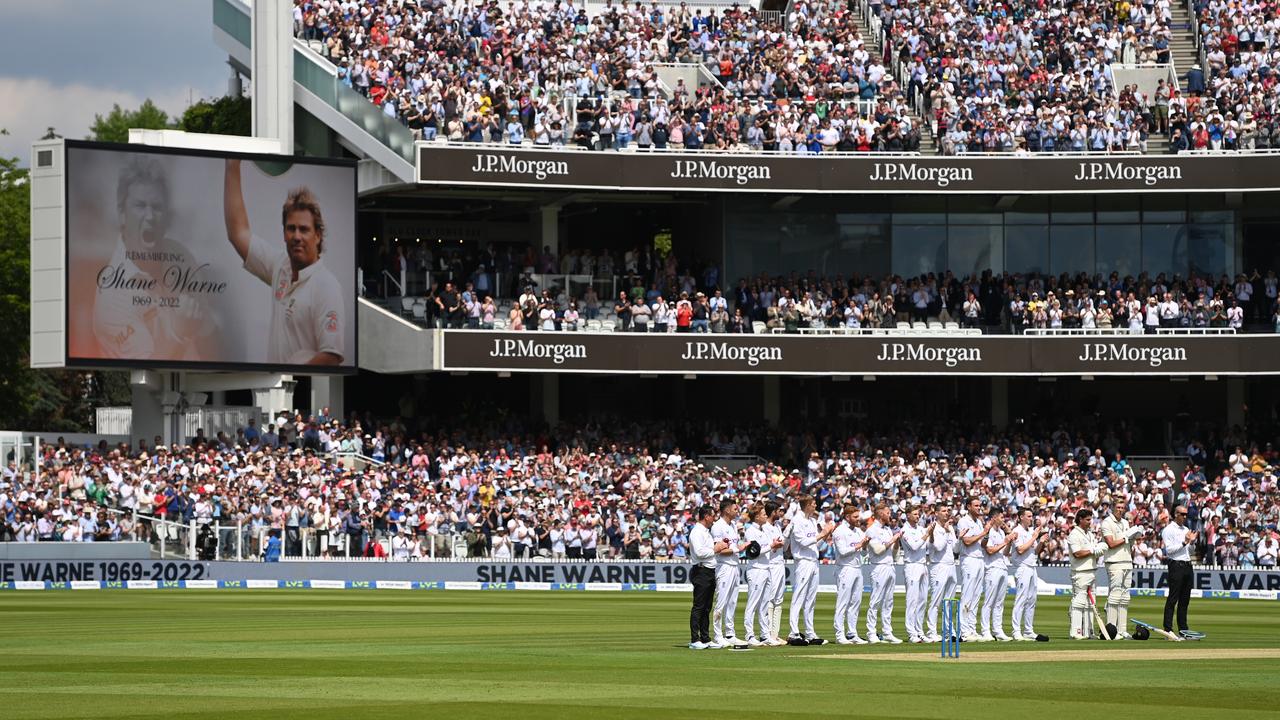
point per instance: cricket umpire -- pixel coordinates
(1178, 540)
(703, 578)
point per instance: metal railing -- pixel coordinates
(1129, 331)
(934, 328)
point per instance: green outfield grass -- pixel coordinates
(411, 654)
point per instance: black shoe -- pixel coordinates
(797, 641)
(815, 641)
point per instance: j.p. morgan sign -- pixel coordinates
(859, 355)
(466, 164)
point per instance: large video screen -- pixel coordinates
(185, 259)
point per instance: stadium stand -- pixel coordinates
(622, 487)
(1129, 77)
(678, 300)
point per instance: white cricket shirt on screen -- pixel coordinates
(307, 315)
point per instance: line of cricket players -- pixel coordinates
(986, 545)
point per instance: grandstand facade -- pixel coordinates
(836, 181)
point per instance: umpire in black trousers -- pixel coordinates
(1178, 540)
(702, 577)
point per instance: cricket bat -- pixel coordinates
(1153, 628)
(1102, 627)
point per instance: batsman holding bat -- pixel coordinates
(1118, 536)
(1085, 549)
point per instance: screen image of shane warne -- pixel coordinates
(184, 260)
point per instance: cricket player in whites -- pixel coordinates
(777, 589)
(1085, 549)
(849, 540)
(1026, 542)
(942, 571)
(914, 550)
(725, 531)
(804, 539)
(1118, 536)
(972, 568)
(883, 541)
(995, 580)
(759, 575)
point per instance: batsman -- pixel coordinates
(1085, 549)
(1119, 535)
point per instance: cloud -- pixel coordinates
(29, 106)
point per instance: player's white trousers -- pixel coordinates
(848, 600)
(726, 606)
(881, 602)
(917, 577)
(942, 585)
(804, 593)
(1024, 603)
(972, 571)
(758, 597)
(997, 586)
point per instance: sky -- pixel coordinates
(67, 60)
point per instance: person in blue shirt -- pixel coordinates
(272, 551)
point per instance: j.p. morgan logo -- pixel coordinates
(512, 165)
(752, 355)
(715, 170)
(1147, 174)
(941, 176)
(1124, 352)
(917, 352)
(556, 352)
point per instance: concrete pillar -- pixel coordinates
(327, 391)
(148, 414)
(1235, 402)
(550, 229)
(999, 402)
(272, 68)
(772, 400)
(271, 400)
(544, 399)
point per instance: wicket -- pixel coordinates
(950, 628)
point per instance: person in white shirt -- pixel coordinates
(501, 545)
(776, 550)
(804, 537)
(849, 540)
(915, 548)
(702, 576)
(589, 539)
(995, 579)
(557, 541)
(1119, 536)
(882, 541)
(1085, 549)
(971, 532)
(725, 530)
(759, 574)
(1178, 540)
(1026, 541)
(402, 546)
(1267, 552)
(942, 571)
(308, 315)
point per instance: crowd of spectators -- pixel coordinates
(1232, 101)
(547, 74)
(662, 297)
(612, 488)
(990, 76)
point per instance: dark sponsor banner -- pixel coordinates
(111, 571)
(860, 355)
(463, 164)
(492, 574)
